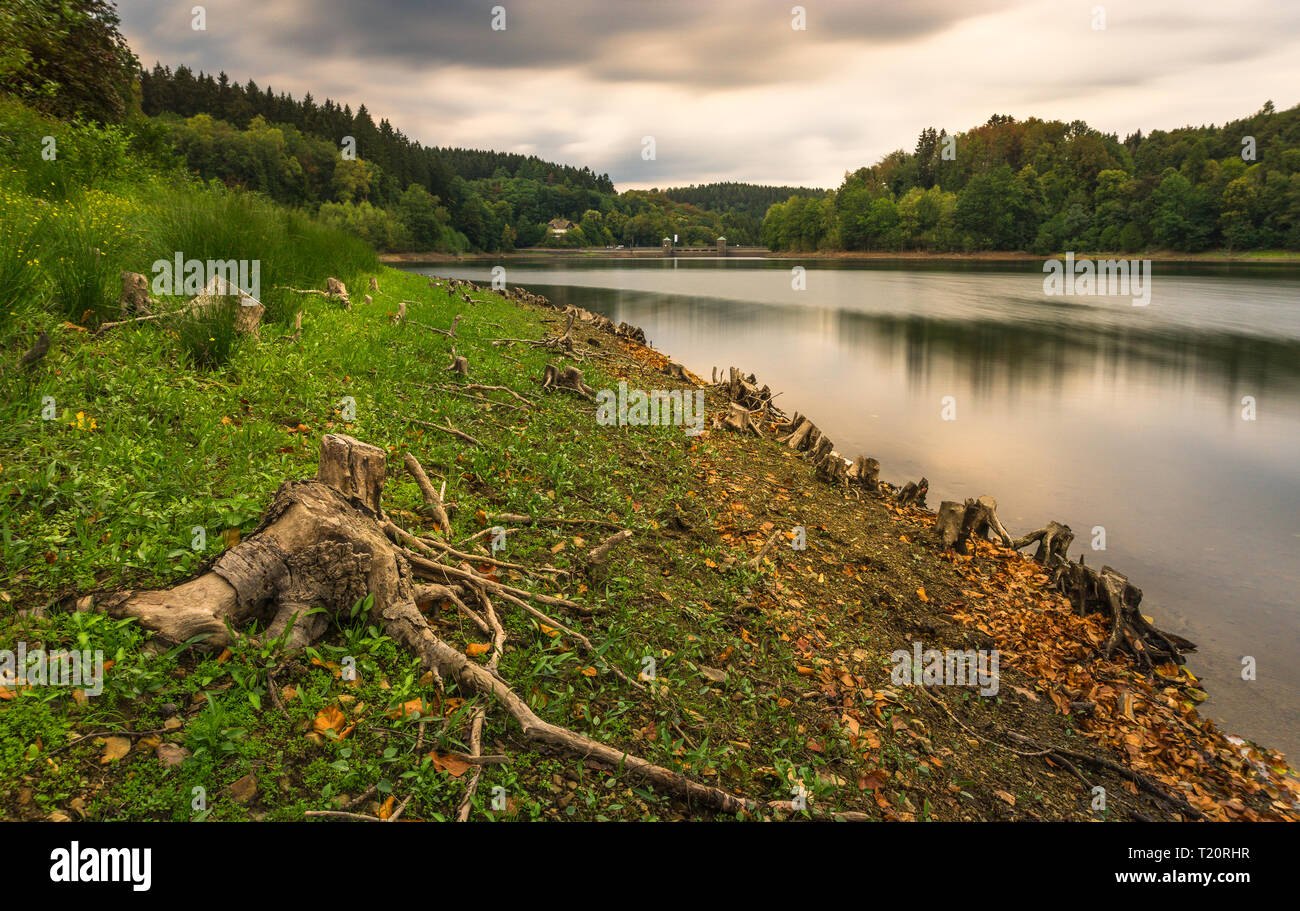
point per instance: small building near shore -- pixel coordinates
(722, 246)
(558, 227)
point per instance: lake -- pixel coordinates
(1084, 409)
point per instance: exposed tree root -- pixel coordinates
(1106, 590)
(1142, 781)
(449, 332)
(1060, 754)
(432, 498)
(447, 428)
(482, 388)
(757, 561)
(335, 290)
(1053, 541)
(324, 543)
(297, 329)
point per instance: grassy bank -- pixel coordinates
(770, 681)
(765, 677)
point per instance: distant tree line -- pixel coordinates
(398, 193)
(1048, 186)
(744, 204)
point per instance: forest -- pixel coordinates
(400, 194)
(1047, 186)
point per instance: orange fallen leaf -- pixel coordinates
(412, 707)
(449, 763)
(873, 780)
(330, 718)
(115, 748)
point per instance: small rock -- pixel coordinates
(712, 674)
(59, 816)
(244, 789)
(171, 754)
(172, 724)
(168, 709)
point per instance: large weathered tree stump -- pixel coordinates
(957, 523)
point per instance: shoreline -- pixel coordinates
(1051, 636)
(1263, 258)
(777, 654)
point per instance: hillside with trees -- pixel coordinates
(1048, 186)
(399, 194)
(742, 205)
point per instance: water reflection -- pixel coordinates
(1086, 410)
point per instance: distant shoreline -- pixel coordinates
(1263, 257)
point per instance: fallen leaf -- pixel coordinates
(115, 748)
(449, 763)
(330, 718)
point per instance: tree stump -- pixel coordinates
(135, 295)
(459, 365)
(569, 378)
(948, 523)
(957, 523)
(1053, 540)
(912, 494)
(866, 473)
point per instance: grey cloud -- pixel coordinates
(727, 88)
(710, 44)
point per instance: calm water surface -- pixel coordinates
(1086, 410)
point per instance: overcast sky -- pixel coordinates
(727, 88)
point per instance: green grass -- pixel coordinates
(173, 449)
